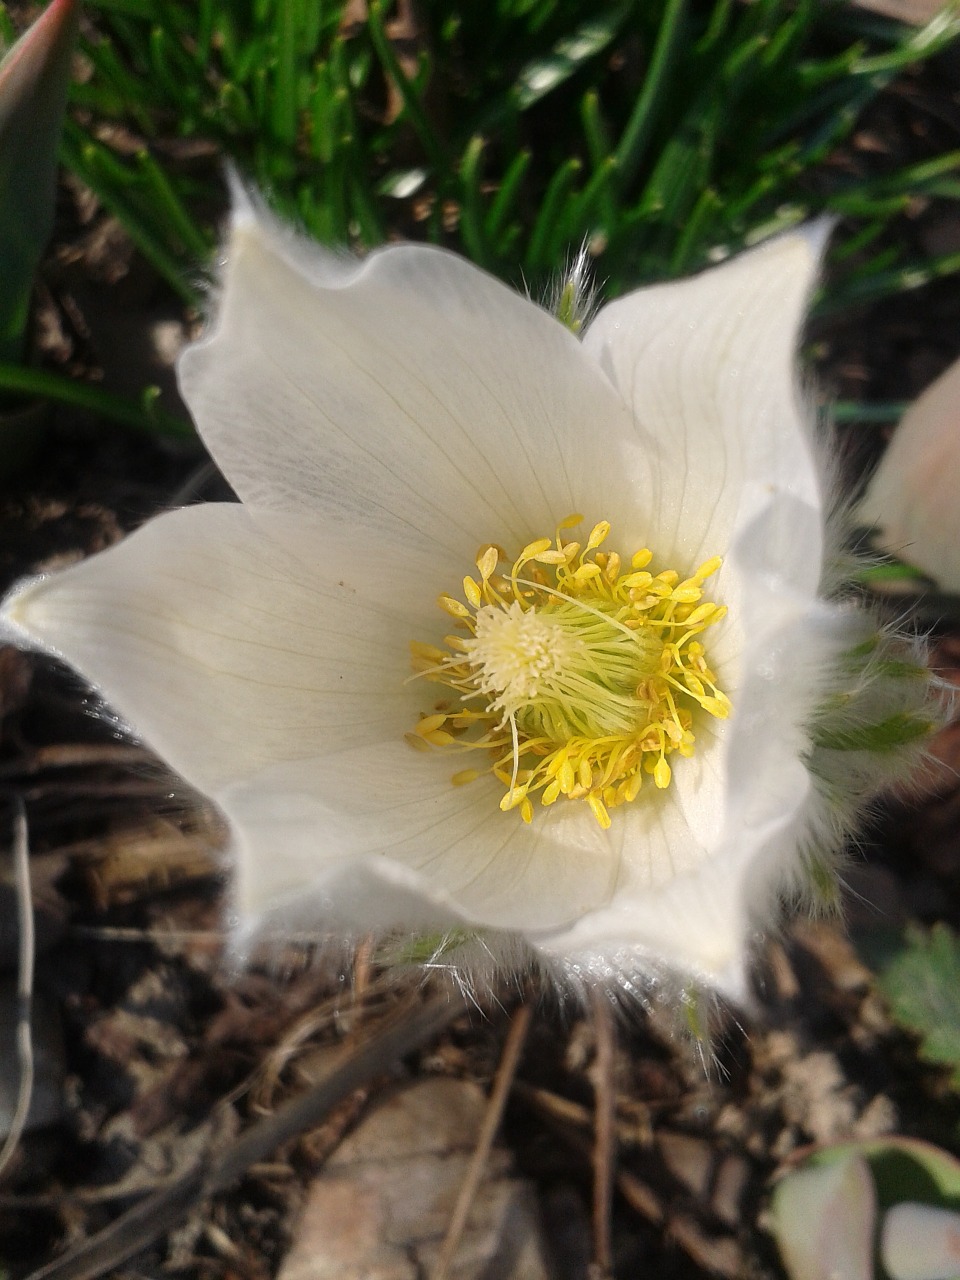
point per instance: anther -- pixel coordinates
(575, 678)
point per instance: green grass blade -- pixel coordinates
(411, 101)
(43, 384)
(632, 147)
(538, 257)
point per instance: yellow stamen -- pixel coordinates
(574, 677)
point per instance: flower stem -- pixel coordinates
(128, 413)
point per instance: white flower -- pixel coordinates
(913, 498)
(386, 424)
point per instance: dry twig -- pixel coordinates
(605, 1137)
(491, 1122)
(138, 1228)
(21, 871)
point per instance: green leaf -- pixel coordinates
(825, 1211)
(921, 982)
(543, 75)
(427, 948)
(893, 571)
(885, 735)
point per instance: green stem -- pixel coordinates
(633, 143)
(54, 386)
(192, 238)
(853, 411)
(558, 189)
(504, 201)
(98, 168)
(285, 96)
(884, 284)
(471, 217)
(411, 102)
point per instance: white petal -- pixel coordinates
(766, 661)
(914, 495)
(708, 367)
(921, 1242)
(414, 391)
(824, 1221)
(699, 923)
(703, 864)
(341, 833)
(232, 640)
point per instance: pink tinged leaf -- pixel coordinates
(913, 498)
(921, 1242)
(34, 79)
(823, 1220)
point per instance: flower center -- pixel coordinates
(576, 674)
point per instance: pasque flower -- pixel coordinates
(515, 634)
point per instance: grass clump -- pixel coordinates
(512, 131)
